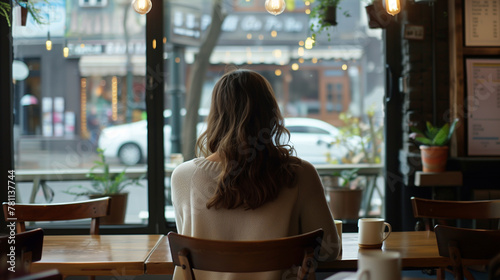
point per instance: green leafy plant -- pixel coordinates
(5, 8)
(434, 136)
(347, 176)
(362, 139)
(317, 14)
(104, 183)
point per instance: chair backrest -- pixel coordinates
(494, 268)
(443, 210)
(92, 208)
(19, 250)
(461, 243)
(246, 256)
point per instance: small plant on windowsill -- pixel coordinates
(323, 16)
(107, 184)
(104, 183)
(348, 177)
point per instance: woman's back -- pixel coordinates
(297, 209)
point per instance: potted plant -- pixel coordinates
(324, 15)
(434, 145)
(107, 184)
(27, 7)
(345, 198)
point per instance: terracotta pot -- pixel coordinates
(118, 208)
(345, 203)
(330, 15)
(434, 158)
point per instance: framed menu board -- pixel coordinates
(482, 22)
(483, 107)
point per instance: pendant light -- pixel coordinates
(275, 7)
(142, 6)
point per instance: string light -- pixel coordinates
(275, 7)
(392, 7)
(142, 6)
(48, 43)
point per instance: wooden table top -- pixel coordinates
(418, 250)
(96, 255)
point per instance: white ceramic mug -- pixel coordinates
(372, 232)
(379, 265)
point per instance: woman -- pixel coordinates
(249, 186)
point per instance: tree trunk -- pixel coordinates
(197, 78)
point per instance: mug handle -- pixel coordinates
(365, 273)
(386, 234)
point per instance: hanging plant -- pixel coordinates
(324, 15)
(27, 7)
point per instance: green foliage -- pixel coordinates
(28, 4)
(319, 25)
(434, 136)
(347, 175)
(4, 11)
(363, 140)
(104, 183)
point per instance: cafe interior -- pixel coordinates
(101, 98)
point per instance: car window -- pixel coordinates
(306, 129)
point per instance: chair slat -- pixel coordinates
(93, 209)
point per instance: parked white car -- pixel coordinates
(314, 140)
(128, 142)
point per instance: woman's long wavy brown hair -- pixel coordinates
(245, 128)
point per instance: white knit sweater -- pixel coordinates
(300, 209)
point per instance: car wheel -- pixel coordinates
(130, 154)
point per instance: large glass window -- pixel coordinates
(84, 94)
(87, 94)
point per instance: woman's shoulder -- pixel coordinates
(304, 167)
(197, 163)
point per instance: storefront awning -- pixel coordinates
(102, 65)
(278, 55)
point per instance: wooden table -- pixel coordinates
(113, 255)
(418, 250)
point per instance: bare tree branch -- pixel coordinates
(197, 78)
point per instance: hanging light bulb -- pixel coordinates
(65, 51)
(48, 43)
(142, 6)
(275, 7)
(392, 7)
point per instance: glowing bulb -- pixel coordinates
(142, 6)
(393, 7)
(66, 52)
(48, 44)
(309, 43)
(275, 7)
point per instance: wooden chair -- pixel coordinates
(18, 251)
(460, 243)
(494, 268)
(246, 256)
(93, 208)
(444, 210)
(52, 274)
